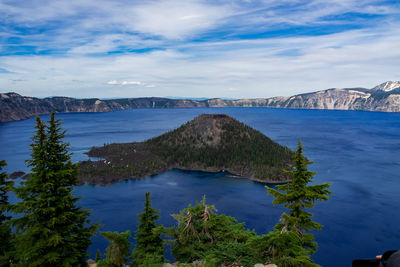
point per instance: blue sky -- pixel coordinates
(193, 48)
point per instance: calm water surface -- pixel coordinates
(358, 152)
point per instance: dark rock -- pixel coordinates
(26, 176)
(15, 175)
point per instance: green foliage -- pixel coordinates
(210, 142)
(232, 254)
(152, 260)
(118, 250)
(291, 243)
(209, 261)
(286, 249)
(102, 263)
(239, 148)
(98, 256)
(52, 230)
(5, 231)
(148, 237)
(202, 233)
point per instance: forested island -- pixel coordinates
(210, 142)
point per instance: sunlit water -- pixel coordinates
(358, 152)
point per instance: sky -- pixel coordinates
(195, 48)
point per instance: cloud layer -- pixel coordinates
(196, 48)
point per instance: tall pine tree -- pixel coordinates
(53, 230)
(5, 230)
(291, 243)
(148, 236)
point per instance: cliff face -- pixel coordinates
(16, 107)
(346, 99)
(384, 97)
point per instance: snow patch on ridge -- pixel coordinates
(387, 86)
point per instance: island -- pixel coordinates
(210, 142)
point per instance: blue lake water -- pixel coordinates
(358, 152)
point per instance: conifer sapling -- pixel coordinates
(148, 235)
(291, 244)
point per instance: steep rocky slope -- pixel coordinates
(384, 97)
(16, 107)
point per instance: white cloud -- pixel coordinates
(115, 82)
(152, 41)
(131, 82)
(177, 19)
(102, 26)
(259, 68)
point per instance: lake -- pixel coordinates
(358, 152)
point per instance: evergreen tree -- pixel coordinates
(118, 250)
(148, 236)
(98, 256)
(5, 231)
(53, 230)
(291, 243)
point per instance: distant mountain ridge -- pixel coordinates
(384, 97)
